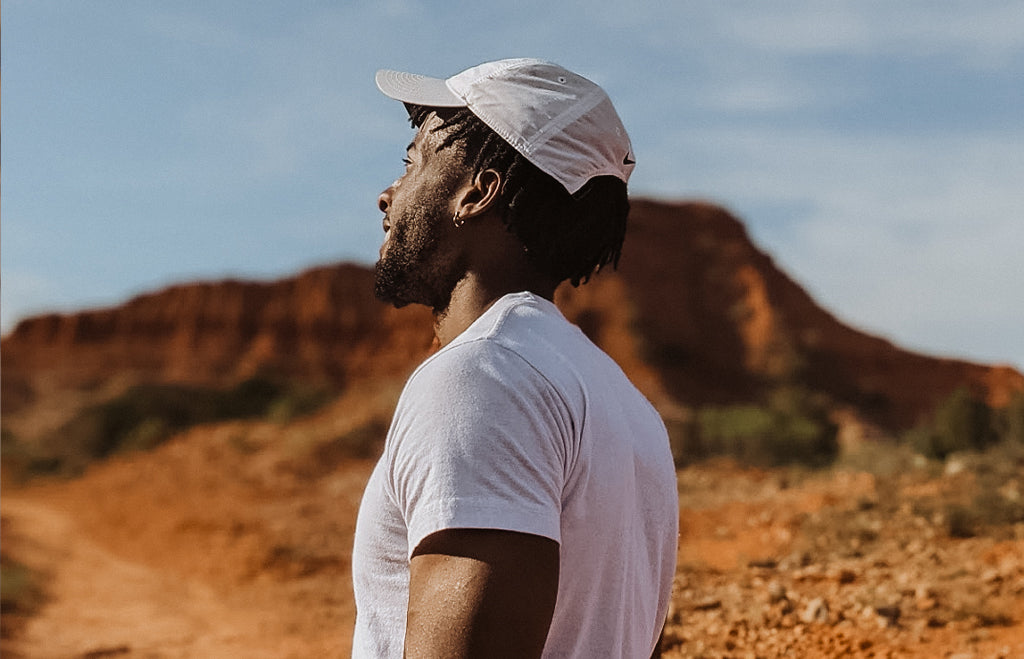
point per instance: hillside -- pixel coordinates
(696, 314)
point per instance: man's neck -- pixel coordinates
(495, 265)
(472, 297)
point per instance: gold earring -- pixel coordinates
(458, 221)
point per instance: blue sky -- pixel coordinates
(875, 148)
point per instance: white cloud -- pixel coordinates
(986, 32)
(803, 25)
(758, 95)
(401, 8)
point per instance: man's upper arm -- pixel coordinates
(481, 593)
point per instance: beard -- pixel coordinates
(415, 268)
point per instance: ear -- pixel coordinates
(480, 195)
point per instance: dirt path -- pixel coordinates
(202, 548)
(103, 605)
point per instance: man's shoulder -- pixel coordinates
(486, 358)
(505, 332)
(470, 363)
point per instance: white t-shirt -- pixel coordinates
(522, 424)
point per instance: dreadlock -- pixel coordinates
(565, 236)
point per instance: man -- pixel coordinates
(525, 504)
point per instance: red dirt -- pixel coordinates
(234, 541)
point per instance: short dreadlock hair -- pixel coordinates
(566, 236)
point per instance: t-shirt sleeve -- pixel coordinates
(480, 440)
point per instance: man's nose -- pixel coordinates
(384, 200)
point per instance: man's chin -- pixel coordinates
(396, 287)
(396, 303)
(387, 290)
(388, 295)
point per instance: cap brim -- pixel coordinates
(417, 89)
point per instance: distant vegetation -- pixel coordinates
(22, 593)
(791, 427)
(147, 415)
(964, 422)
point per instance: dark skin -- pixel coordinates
(472, 592)
(481, 593)
(495, 259)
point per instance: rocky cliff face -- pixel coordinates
(720, 321)
(695, 314)
(323, 324)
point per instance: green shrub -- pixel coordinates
(791, 428)
(21, 590)
(961, 522)
(147, 434)
(962, 422)
(146, 415)
(1009, 421)
(684, 439)
(740, 431)
(296, 401)
(886, 459)
(993, 508)
(987, 512)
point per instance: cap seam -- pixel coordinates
(586, 104)
(490, 76)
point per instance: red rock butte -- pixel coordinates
(695, 314)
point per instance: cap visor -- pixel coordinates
(417, 89)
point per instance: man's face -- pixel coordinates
(419, 263)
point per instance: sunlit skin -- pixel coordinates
(457, 271)
(481, 593)
(417, 258)
(472, 592)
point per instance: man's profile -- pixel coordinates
(525, 503)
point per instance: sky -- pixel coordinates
(875, 149)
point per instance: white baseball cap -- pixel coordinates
(558, 120)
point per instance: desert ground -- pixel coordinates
(234, 541)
